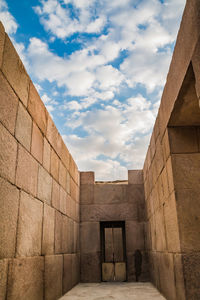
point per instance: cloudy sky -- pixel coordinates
(99, 67)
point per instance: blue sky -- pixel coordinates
(100, 68)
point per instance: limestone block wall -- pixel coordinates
(39, 192)
(113, 201)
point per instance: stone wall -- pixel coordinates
(39, 192)
(113, 201)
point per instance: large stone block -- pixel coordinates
(48, 230)
(160, 230)
(63, 201)
(58, 232)
(46, 155)
(188, 211)
(3, 277)
(67, 273)
(73, 209)
(25, 279)
(27, 172)
(52, 134)
(65, 155)
(170, 175)
(53, 276)
(15, 72)
(134, 236)
(2, 39)
(55, 195)
(8, 103)
(37, 109)
(166, 273)
(171, 225)
(8, 154)
(68, 183)
(135, 177)
(54, 165)
(87, 193)
(90, 267)
(23, 127)
(71, 236)
(73, 189)
(179, 277)
(37, 143)
(76, 238)
(44, 185)
(63, 175)
(186, 170)
(166, 145)
(117, 212)
(87, 177)
(9, 203)
(29, 234)
(159, 157)
(183, 139)
(65, 234)
(191, 266)
(90, 237)
(75, 269)
(110, 193)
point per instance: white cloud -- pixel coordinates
(7, 19)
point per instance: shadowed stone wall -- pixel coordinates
(113, 201)
(39, 192)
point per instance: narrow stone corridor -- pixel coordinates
(113, 291)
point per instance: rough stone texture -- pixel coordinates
(191, 265)
(37, 143)
(53, 276)
(44, 185)
(73, 189)
(90, 267)
(37, 109)
(15, 72)
(9, 203)
(75, 269)
(65, 234)
(58, 232)
(2, 38)
(90, 237)
(3, 278)
(46, 155)
(23, 127)
(27, 171)
(135, 177)
(25, 279)
(112, 193)
(8, 154)
(29, 233)
(62, 175)
(87, 177)
(48, 230)
(179, 277)
(87, 193)
(8, 103)
(54, 165)
(63, 201)
(52, 134)
(134, 236)
(67, 272)
(55, 195)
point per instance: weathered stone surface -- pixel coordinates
(135, 176)
(90, 267)
(76, 237)
(71, 236)
(48, 230)
(29, 234)
(179, 277)
(55, 195)
(62, 175)
(87, 193)
(23, 127)
(58, 232)
(110, 193)
(37, 109)
(87, 177)
(65, 155)
(52, 133)
(73, 209)
(73, 189)
(46, 155)
(170, 175)
(44, 185)
(68, 183)
(166, 145)
(2, 38)
(27, 172)
(54, 165)
(14, 71)
(3, 277)
(9, 203)
(186, 170)
(8, 103)
(171, 225)
(134, 236)
(108, 212)
(90, 237)
(63, 201)
(8, 154)
(166, 273)
(67, 273)
(191, 266)
(53, 276)
(160, 230)
(183, 139)
(75, 269)
(188, 210)
(25, 279)
(65, 234)
(37, 143)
